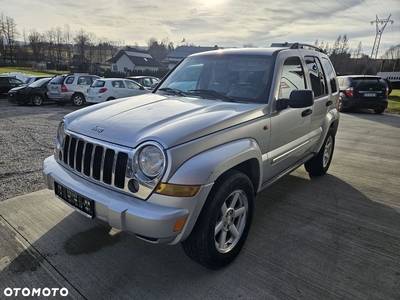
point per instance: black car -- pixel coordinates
(7, 83)
(363, 91)
(35, 93)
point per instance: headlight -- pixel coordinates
(151, 161)
(60, 135)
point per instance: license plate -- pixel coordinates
(81, 204)
(369, 95)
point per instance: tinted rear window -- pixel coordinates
(57, 80)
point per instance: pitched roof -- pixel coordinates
(138, 58)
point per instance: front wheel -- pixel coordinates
(37, 100)
(224, 223)
(77, 99)
(319, 164)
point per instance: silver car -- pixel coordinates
(184, 163)
(70, 88)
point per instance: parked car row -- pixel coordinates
(72, 88)
(356, 91)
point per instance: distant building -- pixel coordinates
(183, 51)
(133, 60)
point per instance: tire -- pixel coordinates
(77, 99)
(111, 98)
(215, 248)
(379, 110)
(319, 164)
(37, 100)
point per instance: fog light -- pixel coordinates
(133, 185)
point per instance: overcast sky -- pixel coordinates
(226, 23)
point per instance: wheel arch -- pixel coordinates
(205, 168)
(331, 121)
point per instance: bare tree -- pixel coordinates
(67, 40)
(10, 33)
(81, 40)
(59, 43)
(37, 44)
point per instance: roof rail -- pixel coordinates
(297, 46)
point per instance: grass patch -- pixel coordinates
(394, 102)
(27, 71)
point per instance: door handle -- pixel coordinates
(329, 103)
(306, 112)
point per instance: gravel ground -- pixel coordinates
(27, 137)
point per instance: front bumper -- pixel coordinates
(152, 220)
(18, 98)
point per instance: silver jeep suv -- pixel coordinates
(184, 163)
(70, 88)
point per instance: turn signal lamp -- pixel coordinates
(179, 224)
(177, 190)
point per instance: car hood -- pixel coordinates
(152, 117)
(18, 88)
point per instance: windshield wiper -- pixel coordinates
(214, 93)
(175, 91)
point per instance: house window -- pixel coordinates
(115, 68)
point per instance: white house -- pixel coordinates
(133, 60)
(183, 51)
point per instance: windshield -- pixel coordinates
(40, 82)
(224, 77)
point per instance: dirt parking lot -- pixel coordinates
(27, 136)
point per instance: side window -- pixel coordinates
(146, 82)
(292, 77)
(317, 77)
(132, 85)
(330, 74)
(70, 80)
(118, 84)
(83, 80)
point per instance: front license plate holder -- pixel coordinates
(81, 204)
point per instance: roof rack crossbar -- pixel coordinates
(297, 46)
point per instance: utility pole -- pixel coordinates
(379, 31)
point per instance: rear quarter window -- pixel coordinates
(57, 80)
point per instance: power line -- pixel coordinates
(352, 10)
(370, 7)
(336, 13)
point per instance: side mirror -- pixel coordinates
(297, 99)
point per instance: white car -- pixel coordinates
(106, 89)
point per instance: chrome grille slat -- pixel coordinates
(100, 163)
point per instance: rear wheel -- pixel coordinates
(77, 99)
(319, 164)
(224, 223)
(111, 98)
(379, 110)
(37, 100)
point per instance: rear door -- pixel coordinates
(134, 88)
(119, 89)
(321, 84)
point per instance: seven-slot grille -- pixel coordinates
(95, 161)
